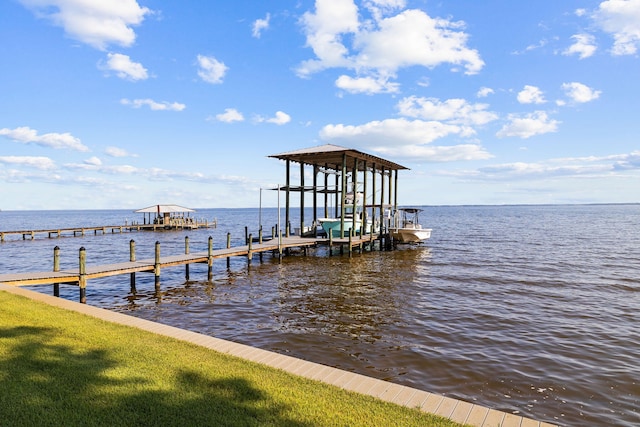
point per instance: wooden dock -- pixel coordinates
(79, 276)
(103, 229)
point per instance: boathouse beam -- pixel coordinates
(382, 192)
(395, 198)
(336, 201)
(364, 198)
(315, 200)
(326, 191)
(286, 210)
(373, 194)
(354, 182)
(343, 193)
(301, 197)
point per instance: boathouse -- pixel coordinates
(169, 217)
(344, 179)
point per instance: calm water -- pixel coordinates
(528, 309)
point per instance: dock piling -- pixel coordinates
(330, 242)
(350, 242)
(132, 258)
(228, 246)
(250, 245)
(186, 252)
(56, 268)
(82, 272)
(210, 259)
(156, 268)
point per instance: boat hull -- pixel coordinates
(410, 235)
(332, 226)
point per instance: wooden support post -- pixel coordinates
(82, 273)
(228, 246)
(287, 196)
(210, 259)
(249, 251)
(330, 242)
(354, 183)
(301, 198)
(350, 242)
(315, 201)
(132, 258)
(186, 252)
(56, 267)
(260, 240)
(343, 192)
(156, 267)
(365, 211)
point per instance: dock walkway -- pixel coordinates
(456, 410)
(74, 276)
(81, 231)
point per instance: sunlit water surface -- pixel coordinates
(527, 309)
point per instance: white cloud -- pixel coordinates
(531, 95)
(368, 85)
(414, 38)
(436, 153)
(324, 30)
(259, 25)
(31, 161)
(584, 46)
(93, 161)
(567, 166)
(124, 67)
(529, 125)
(96, 23)
(230, 115)
(211, 70)
(117, 152)
(453, 111)
(280, 118)
(382, 44)
(27, 135)
(484, 92)
(389, 132)
(407, 139)
(620, 18)
(579, 92)
(153, 105)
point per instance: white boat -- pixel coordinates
(407, 228)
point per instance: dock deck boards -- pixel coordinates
(72, 276)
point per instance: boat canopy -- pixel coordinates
(332, 157)
(161, 209)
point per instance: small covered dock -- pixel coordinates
(349, 186)
(171, 217)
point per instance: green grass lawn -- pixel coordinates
(64, 368)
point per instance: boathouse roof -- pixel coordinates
(331, 157)
(160, 209)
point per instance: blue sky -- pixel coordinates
(127, 103)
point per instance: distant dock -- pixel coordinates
(104, 229)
